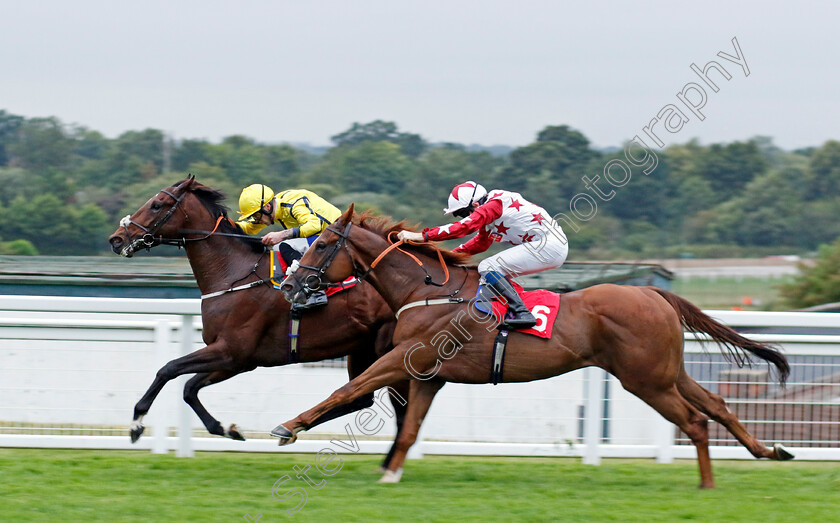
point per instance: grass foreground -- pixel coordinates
(94, 485)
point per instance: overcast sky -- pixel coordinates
(492, 72)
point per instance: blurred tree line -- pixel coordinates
(816, 284)
(63, 188)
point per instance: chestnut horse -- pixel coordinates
(248, 328)
(634, 333)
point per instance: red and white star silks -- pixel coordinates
(505, 217)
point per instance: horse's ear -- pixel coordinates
(348, 214)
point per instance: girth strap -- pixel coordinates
(498, 357)
(234, 289)
(423, 303)
(294, 334)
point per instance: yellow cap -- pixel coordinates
(253, 198)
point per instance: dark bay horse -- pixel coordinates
(634, 333)
(248, 328)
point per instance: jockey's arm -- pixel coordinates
(310, 224)
(478, 243)
(483, 215)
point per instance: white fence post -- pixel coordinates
(593, 402)
(161, 427)
(184, 413)
(665, 440)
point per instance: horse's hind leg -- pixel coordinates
(207, 359)
(716, 408)
(676, 409)
(198, 382)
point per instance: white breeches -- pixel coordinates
(301, 245)
(528, 258)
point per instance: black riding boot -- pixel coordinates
(316, 299)
(522, 317)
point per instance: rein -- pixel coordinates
(315, 282)
(428, 279)
(148, 240)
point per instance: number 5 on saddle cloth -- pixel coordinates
(544, 305)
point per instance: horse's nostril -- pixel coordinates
(116, 242)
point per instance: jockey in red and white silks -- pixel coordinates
(502, 216)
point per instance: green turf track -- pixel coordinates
(78, 485)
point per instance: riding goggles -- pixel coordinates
(255, 218)
(464, 212)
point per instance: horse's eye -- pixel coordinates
(320, 246)
(156, 206)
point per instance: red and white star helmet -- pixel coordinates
(463, 195)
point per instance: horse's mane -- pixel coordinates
(384, 226)
(212, 200)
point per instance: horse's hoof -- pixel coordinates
(282, 442)
(287, 437)
(391, 477)
(781, 453)
(136, 430)
(233, 433)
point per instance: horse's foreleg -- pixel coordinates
(357, 363)
(385, 371)
(207, 359)
(384, 344)
(195, 384)
(400, 409)
(419, 400)
(360, 403)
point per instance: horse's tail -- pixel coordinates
(735, 345)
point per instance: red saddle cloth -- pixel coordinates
(278, 270)
(544, 305)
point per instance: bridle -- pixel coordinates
(148, 240)
(315, 282)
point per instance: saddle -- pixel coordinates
(544, 305)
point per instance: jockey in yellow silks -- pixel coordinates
(302, 214)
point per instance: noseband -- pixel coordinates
(315, 282)
(148, 240)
